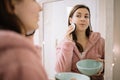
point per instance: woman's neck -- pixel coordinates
(82, 39)
(29, 35)
(31, 38)
(81, 36)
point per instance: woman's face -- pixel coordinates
(28, 12)
(81, 18)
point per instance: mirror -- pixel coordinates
(108, 20)
(55, 16)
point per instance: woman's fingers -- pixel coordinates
(69, 31)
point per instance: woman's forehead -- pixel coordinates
(82, 10)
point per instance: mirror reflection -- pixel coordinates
(56, 30)
(80, 43)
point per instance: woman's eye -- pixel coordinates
(78, 16)
(86, 16)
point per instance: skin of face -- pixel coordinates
(81, 19)
(28, 12)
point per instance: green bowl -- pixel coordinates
(71, 76)
(89, 67)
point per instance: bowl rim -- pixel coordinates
(100, 64)
(71, 73)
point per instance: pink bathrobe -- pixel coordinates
(19, 58)
(68, 54)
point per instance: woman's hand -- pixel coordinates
(101, 70)
(68, 34)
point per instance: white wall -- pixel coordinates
(101, 15)
(109, 41)
(112, 70)
(116, 41)
(54, 22)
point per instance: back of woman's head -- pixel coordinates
(8, 20)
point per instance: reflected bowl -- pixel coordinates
(89, 67)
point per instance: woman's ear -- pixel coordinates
(10, 7)
(17, 6)
(13, 3)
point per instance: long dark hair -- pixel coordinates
(8, 20)
(88, 30)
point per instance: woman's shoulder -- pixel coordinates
(18, 51)
(17, 46)
(66, 42)
(10, 40)
(13, 37)
(95, 37)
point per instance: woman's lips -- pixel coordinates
(82, 24)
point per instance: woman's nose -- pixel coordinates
(82, 19)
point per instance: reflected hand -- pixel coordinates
(101, 70)
(68, 34)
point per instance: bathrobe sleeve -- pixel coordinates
(64, 56)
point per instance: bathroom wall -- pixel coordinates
(109, 40)
(116, 42)
(112, 62)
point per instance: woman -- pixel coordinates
(79, 43)
(19, 58)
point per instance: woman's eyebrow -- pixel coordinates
(78, 12)
(81, 13)
(87, 14)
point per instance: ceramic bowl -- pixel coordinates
(71, 76)
(89, 67)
